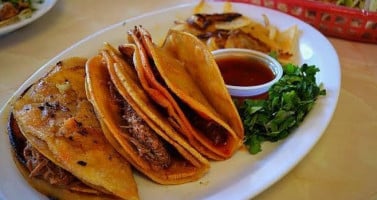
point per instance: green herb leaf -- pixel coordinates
(289, 100)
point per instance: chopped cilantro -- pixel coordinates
(289, 100)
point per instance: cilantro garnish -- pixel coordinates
(289, 100)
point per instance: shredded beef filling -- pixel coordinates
(39, 166)
(216, 133)
(42, 168)
(148, 144)
(213, 131)
(146, 141)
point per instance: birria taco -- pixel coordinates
(135, 126)
(58, 143)
(183, 78)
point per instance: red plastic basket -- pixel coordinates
(332, 20)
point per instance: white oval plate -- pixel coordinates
(41, 9)
(244, 175)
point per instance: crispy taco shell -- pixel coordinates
(142, 135)
(58, 121)
(50, 183)
(183, 78)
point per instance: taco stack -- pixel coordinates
(164, 110)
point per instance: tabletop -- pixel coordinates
(342, 165)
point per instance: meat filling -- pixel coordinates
(216, 133)
(146, 141)
(149, 146)
(40, 166)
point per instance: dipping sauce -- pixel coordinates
(244, 71)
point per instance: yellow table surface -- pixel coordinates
(342, 165)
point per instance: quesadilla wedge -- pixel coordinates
(134, 125)
(64, 140)
(183, 78)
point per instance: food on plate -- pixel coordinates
(288, 103)
(134, 124)
(12, 11)
(272, 116)
(234, 30)
(182, 77)
(141, 104)
(59, 145)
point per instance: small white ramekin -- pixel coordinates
(249, 91)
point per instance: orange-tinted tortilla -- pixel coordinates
(57, 117)
(188, 166)
(191, 79)
(206, 75)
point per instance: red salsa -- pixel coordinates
(244, 71)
